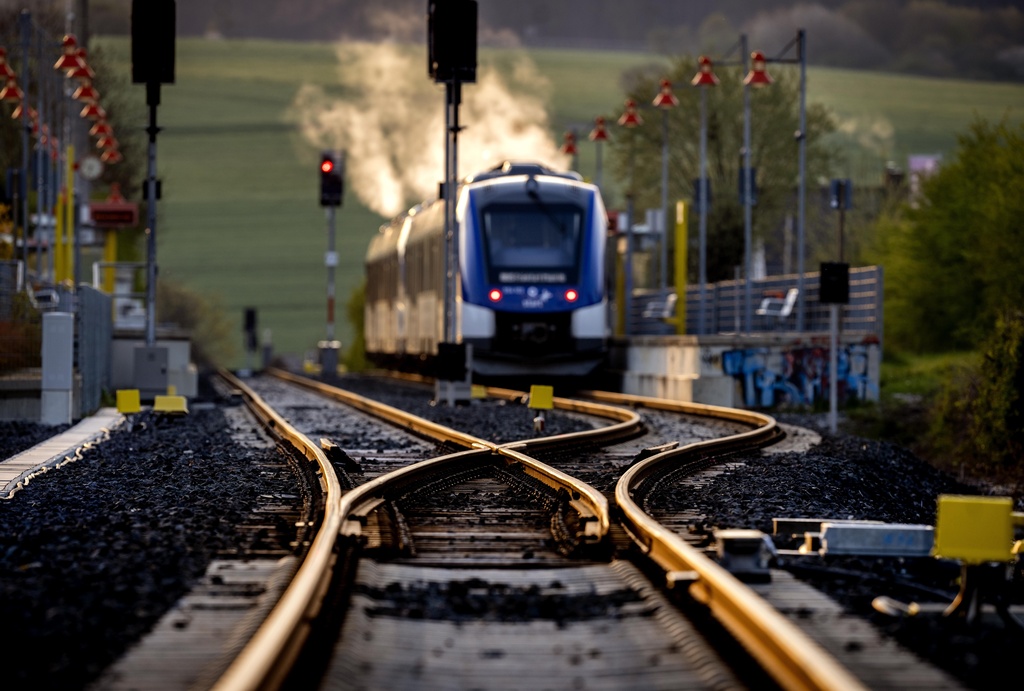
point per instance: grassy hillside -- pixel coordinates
(239, 218)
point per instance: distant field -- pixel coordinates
(239, 218)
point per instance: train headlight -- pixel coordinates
(571, 295)
(495, 295)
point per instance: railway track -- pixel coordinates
(496, 520)
(487, 567)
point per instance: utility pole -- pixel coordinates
(153, 36)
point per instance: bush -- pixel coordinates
(978, 421)
(21, 335)
(355, 356)
(212, 338)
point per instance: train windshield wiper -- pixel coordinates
(559, 223)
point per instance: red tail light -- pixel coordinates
(571, 295)
(494, 295)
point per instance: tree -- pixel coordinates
(953, 259)
(774, 153)
(213, 344)
(978, 419)
(123, 108)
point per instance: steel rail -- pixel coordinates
(628, 425)
(358, 503)
(393, 415)
(755, 419)
(266, 660)
(629, 421)
(271, 652)
(590, 503)
(793, 659)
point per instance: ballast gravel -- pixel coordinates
(93, 554)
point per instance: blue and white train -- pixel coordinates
(531, 295)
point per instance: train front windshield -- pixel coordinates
(537, 243)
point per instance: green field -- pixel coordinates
(239, 218)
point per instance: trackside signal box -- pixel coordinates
(153, 31)
(332, 170)
(835, 283)
(451, 40)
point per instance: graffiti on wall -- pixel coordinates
(799, 376)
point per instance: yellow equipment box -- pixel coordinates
(974, 530)
(542, 397)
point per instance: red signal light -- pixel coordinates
(571, 295)
(332, 170)
(494, 295)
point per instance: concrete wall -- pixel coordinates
(181, 373)
(763, 371)
(21, 394)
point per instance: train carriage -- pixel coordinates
(531, 291)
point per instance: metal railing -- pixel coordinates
(724, 306)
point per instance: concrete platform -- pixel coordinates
(17, 471)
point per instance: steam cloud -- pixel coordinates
(391, 124)
(872, 133)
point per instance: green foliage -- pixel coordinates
(239, 218)
(637, 153)
(978, 420)
(355, 354)
(999, 407)
(910, 384)
(21, 335)
(953, 261)
(49, 20)
(125, 113)
(213, 343)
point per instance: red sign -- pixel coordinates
(114, 214)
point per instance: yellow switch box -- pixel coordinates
(128, 401)
(974, 530)
(542, 397)
(478, 391)
(174, 405)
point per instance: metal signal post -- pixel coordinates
(453, 97)
(451, 60)
(332, 172)
(834, 290)
(153, 36)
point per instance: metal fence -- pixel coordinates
(93, 345)
(724, 306)
(22, 306)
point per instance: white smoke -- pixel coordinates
(874, 133)
(391, 123)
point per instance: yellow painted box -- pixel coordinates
(974, 530)
(128, 401)
(541, 397)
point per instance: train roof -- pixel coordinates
(506, 169)
(510, 168)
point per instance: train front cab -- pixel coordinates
(532, 263)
